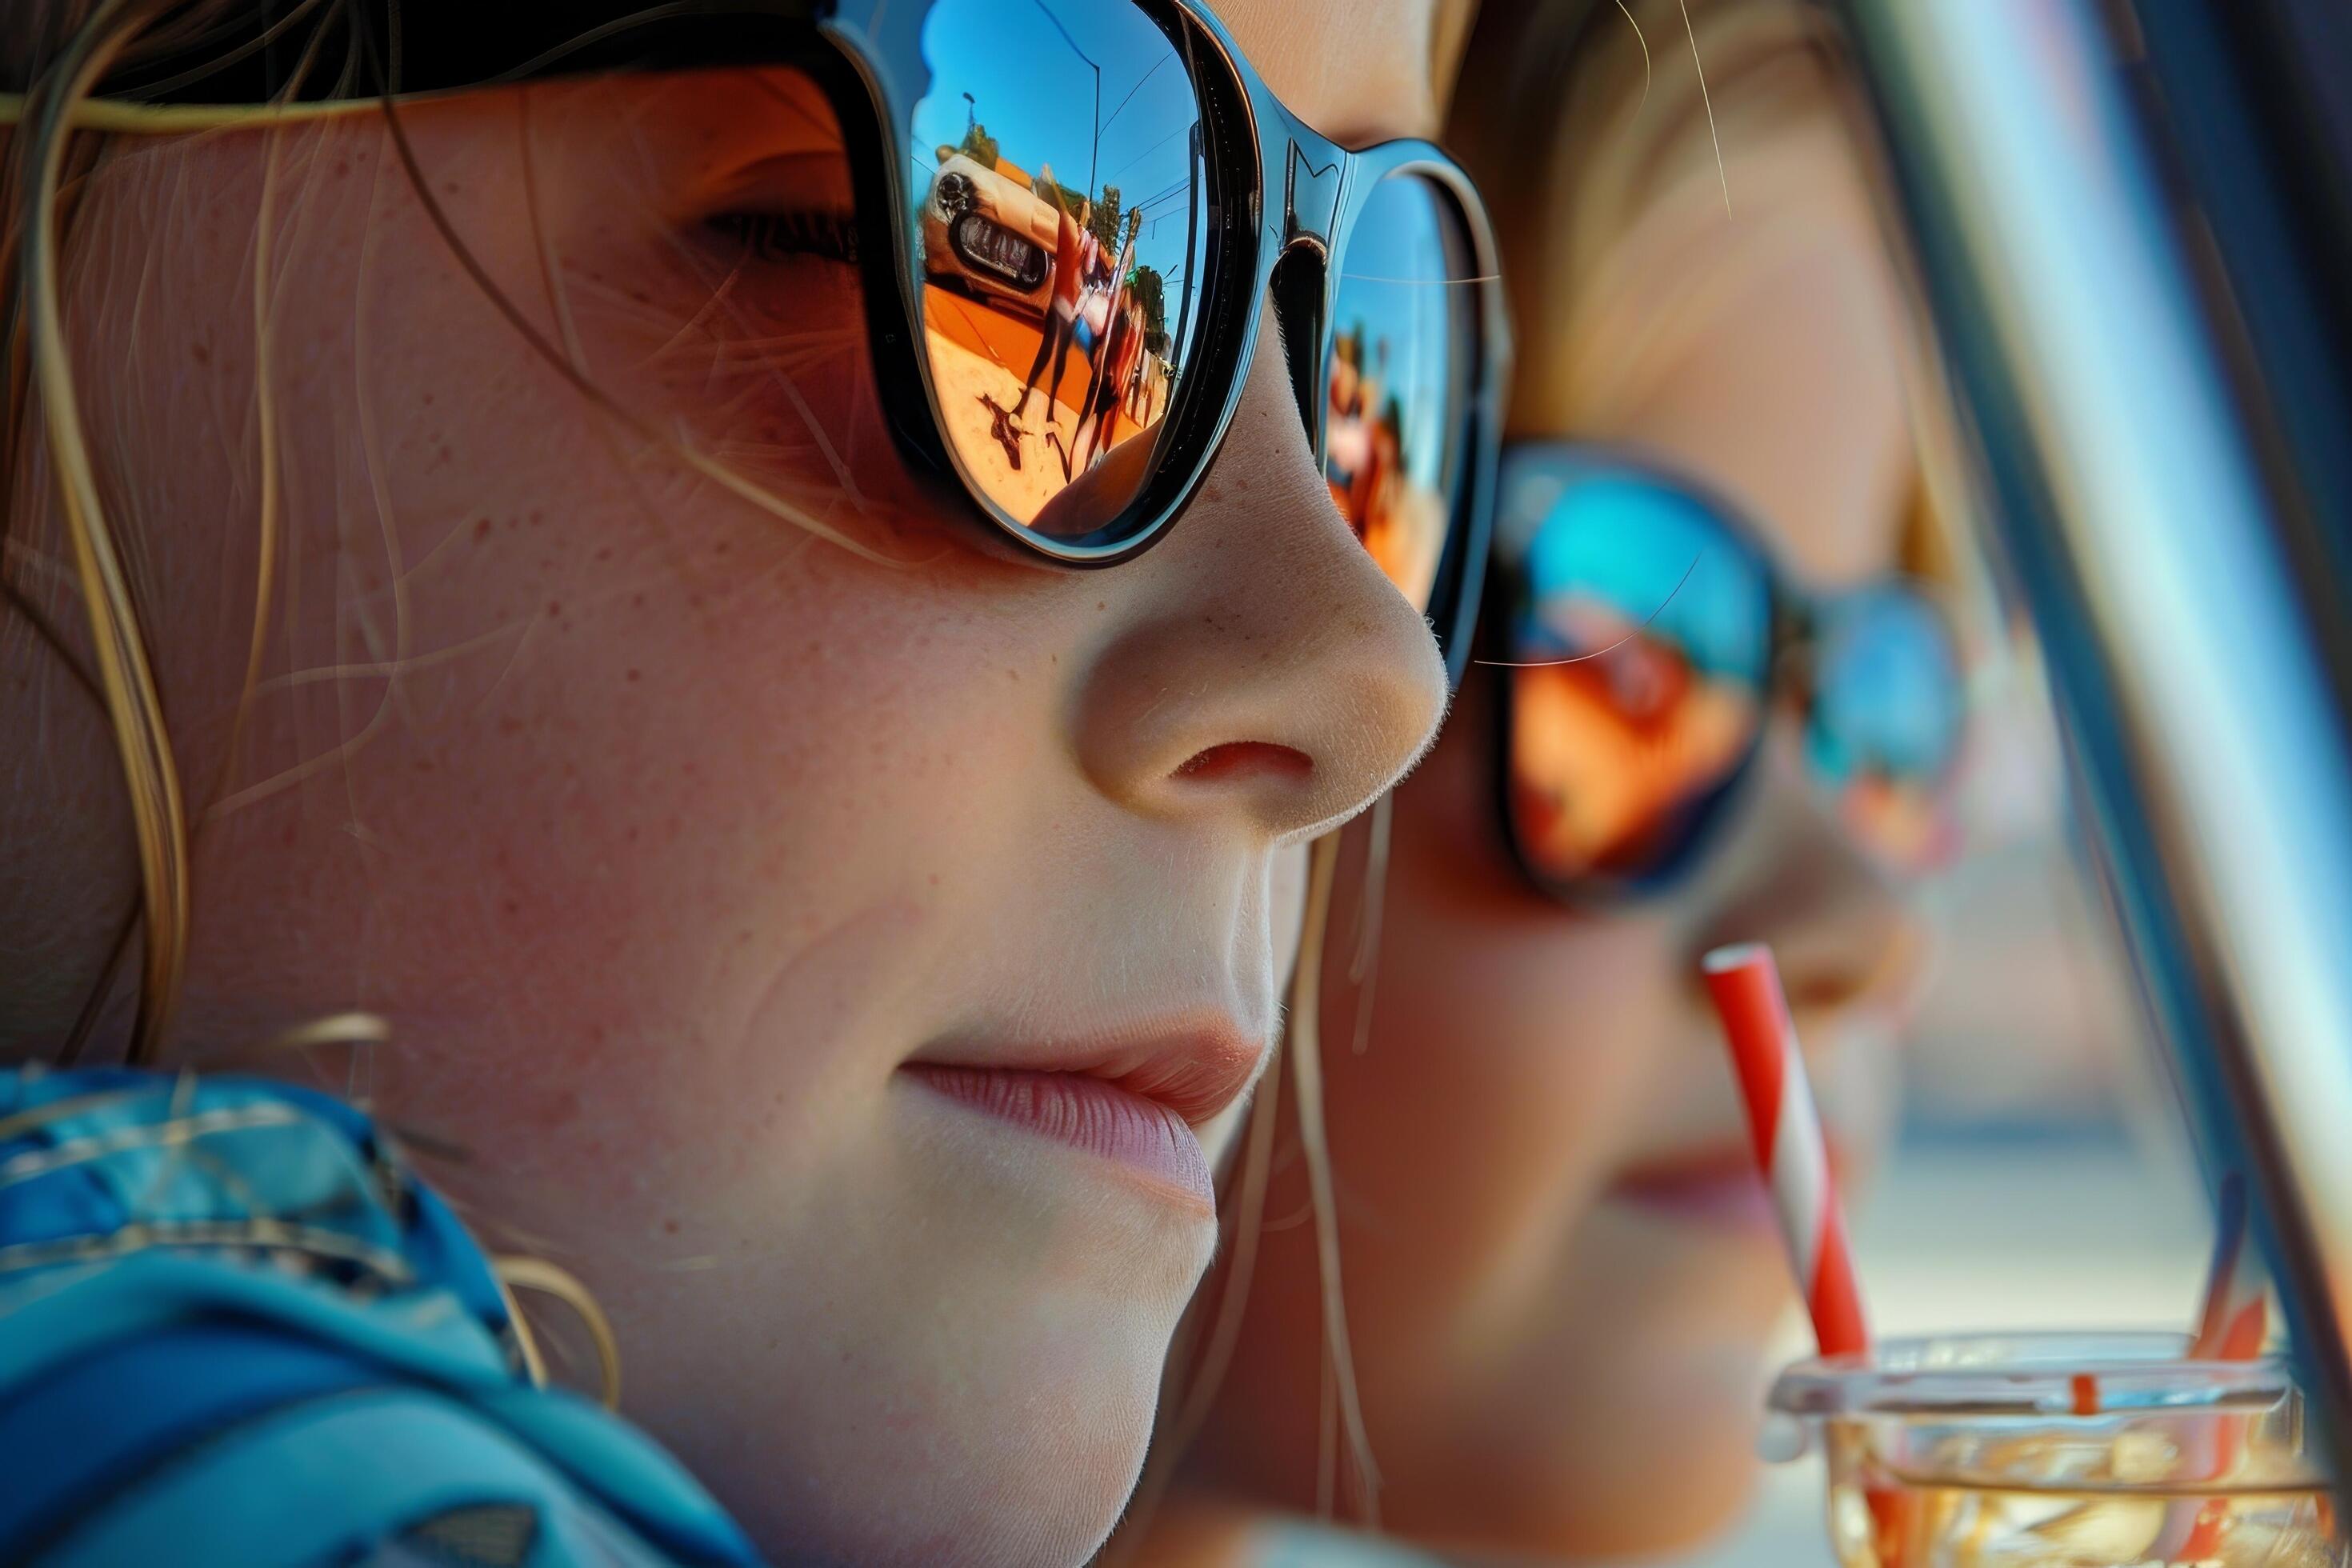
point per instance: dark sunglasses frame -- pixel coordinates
(1281, 203)
(1796, 619)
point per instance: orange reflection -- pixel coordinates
(1401, 523)
(1911, 828)
(1048, 347)
(1606, 751)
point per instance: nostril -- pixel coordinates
(1827, 989)
(1246, 759)
(1880, 968)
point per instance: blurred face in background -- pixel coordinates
(1562, 1278)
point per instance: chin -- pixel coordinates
(1017, 1493)
(1656, 1454)
(1634, 1440)
(943, 1360)
(1663, 1460)
(1025, 1462)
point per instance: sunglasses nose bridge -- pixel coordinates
(1310, 199)
(1297, 288)
(1313, 177)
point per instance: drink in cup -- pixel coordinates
(2063, 1451)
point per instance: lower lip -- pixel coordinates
(1088, 1113)
(1721, 1195)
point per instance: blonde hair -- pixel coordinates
(1643, 146)
(55, 56)
(41, 380)
(59, 54)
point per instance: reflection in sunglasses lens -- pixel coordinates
(1397, 377)
(1643, 631)
(1884, 720)
(1059, 217)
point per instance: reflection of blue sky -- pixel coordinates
(1389, 283)
(1036, 95)
(1629, 543)
(1889, 691)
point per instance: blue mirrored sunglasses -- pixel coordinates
(1645, 639)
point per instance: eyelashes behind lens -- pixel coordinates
(779, 235)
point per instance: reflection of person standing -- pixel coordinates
(1062, 313)
(1346, 439)
(1107, 350)
(1094, 293)
(1098, 409)
(1127, 373)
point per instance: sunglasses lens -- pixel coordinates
(1884, 724)
(1059, 226)
(1398, 375)
(1640, 641)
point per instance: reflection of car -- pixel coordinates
(989, 232)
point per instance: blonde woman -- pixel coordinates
(1559, 1276)
(516, 619)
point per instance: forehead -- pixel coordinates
(1357, 70)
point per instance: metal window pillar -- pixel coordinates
(2146, 515)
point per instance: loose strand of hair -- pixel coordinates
(1249, 1226)
(1642, 39)
(125, 672)
(520, 1272)
(1204, 1352)
(1371, 910)
(217, 63)
(1327, 1438)
(267, 521)
(1307, 1081)
(1706, 101)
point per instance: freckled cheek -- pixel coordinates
(608, 1142)
(674, 1024)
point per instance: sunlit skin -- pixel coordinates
(1561, 1352)
(664, 833)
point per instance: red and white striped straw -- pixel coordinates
(1745, 986)
(1786, 1133)
(2231, 1324)
(2235, 1318)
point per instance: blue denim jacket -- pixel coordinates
(236, 1329)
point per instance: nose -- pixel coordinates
(1267, 671)
(1844, 933)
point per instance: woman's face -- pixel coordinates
(1560, 1273)
(1566, 1275)
(1561, 1277)
(686, 853)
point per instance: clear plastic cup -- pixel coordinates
(2063, 1451)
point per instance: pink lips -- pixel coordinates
(1086, 1112)
(1718, 1187)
